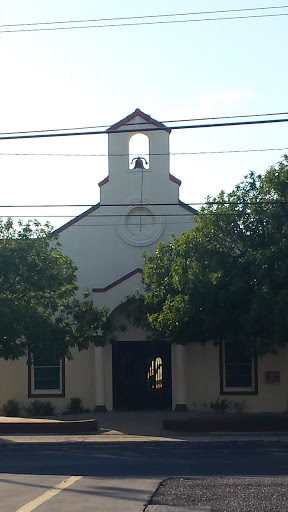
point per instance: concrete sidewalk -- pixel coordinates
(118, 427)
(139, 423)
(70, 439)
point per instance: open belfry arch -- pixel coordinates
(138, 201)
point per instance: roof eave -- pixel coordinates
(137, 113)
(76, 219)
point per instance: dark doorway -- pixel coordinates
(141, 375)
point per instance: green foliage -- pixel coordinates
(11, 408)
(135, 311)
(75, 407)
(39, 408)
(220, 406)
(227, 278)
(39, 309)
(239, 406)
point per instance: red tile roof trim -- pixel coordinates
(174, 179)
(79, 217)
(118, 281)
(103, 182)
(188, 208)
(138, 113)
(171, 177)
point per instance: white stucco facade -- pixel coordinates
(107, 242)
(102, 243)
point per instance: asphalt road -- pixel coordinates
(225, 494)
(127, 473)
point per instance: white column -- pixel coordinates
(181, 404)
(99, 380)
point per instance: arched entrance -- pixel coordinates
(141, 375)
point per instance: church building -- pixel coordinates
(139, 207)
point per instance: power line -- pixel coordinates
(144, 17)
(112, 224)
(182, 216)
(104, 216)
(223, 18)
(216, 203)
(179, 153)
(110, 215)
(201, 214)
(145, 123)
(227, 214)
(148, 129)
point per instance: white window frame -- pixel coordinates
(45, 393)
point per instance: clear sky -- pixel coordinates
(97, 76)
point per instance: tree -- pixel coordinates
(39, 310)
(227, 279)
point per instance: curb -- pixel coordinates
(222, 426)
(49, 427)
(88, 443)
(172, 508)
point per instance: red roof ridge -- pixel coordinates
(188, 208)
(103, 182)
(138, 113)
(118, 281)
(174, 179)
(76, 219)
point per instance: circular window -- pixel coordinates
(140, 225)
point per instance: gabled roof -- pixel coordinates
(118, 281)
(96, 206)
(188, 208)
(73, 221)
(137, 113)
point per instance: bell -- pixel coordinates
(139, 162)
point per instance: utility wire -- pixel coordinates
(183, 221)
(144, 17)
(219, 203)
(146, 154)
(113, 215)
(199, 214)
(227, 214)
(145, 123)
(106, 224)
(148, 129)
(223, 18)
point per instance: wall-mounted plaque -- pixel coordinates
(272, 377)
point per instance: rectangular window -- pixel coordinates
(46, 377)
(238, 371)
(46, 374)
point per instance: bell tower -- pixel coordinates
(147, 178)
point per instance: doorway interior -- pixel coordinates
(141, 375)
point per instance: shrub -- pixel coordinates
(75, 407)
(239, 406)
(11, 408)
(220, 406)
(39, 408)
